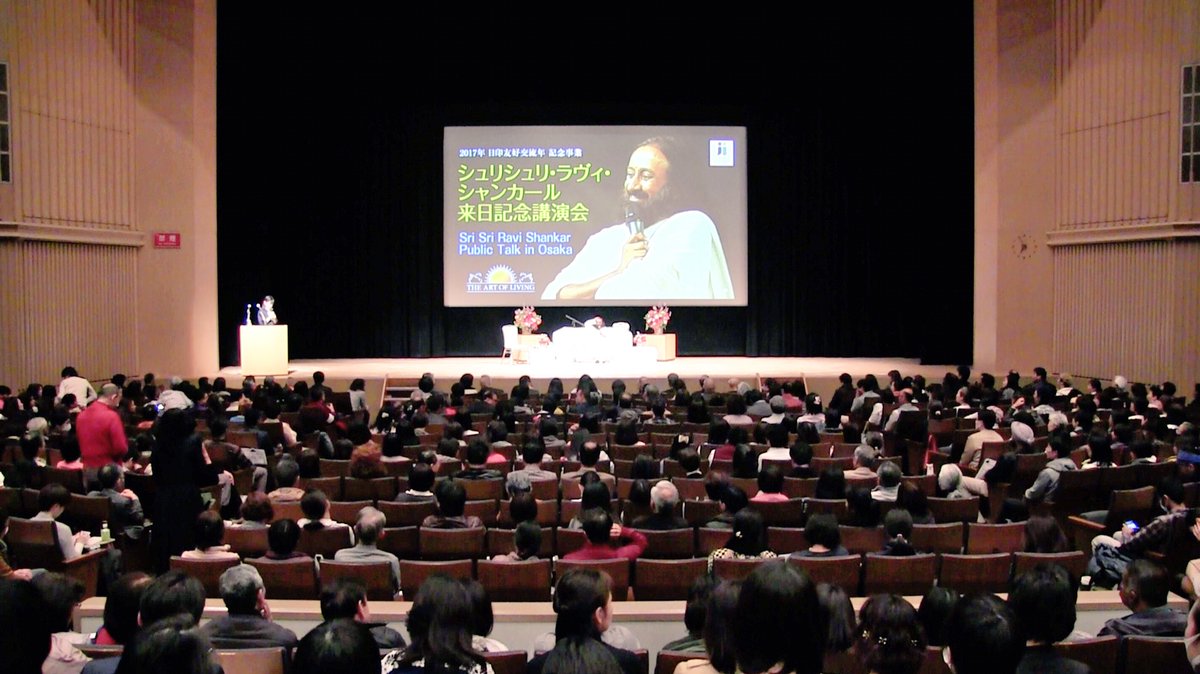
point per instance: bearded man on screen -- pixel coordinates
(662, 251)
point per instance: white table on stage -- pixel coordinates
(593, 345)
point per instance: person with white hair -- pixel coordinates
(664, 496)
(368, 529)
(954, 484)
(248, 623)
(889, 482)
(172, 398)
(865, 458)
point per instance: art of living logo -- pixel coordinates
(500, 278)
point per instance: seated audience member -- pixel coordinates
(777, 624)
(61, 594)
(973, 450)
(52, 501)
(346, 599)
(689, 461)
(721, 612)
(694, 614)
(173, 644)
(257, 512)
(777, 450)
(745, 462)
(522, 507)
(477, 464)
(366, 459)
(71, 458)
(1144, 589)
(748, 541)
(863, 511)
(337, 647)
(6, 571)
(889, 483)
(315, 506)
(606, 540)
(451, 501)
(1059, 453)
(126, 511)
(890, 638)
(287, 476)
(527, 543)
(25, 627)
(770, 486)
(897, 526)
(368, 529)
(801, 455)
(309, 464)
(953, 484)
(1043, 535)
(583, 604)
(439, 626)
(732, 499)
(831, 484)
(982, 635)
(420, 484)
(837, 614)
(483, 619)
(210, 535)
(1099, 451)
(1111, 555)
(912, 498)
(823, 536)
(1043, 601)
(533, 455)
(664, 496)
(121, 610)
(282, 538)
(248, 623)
(934, 611)
(865, 460)
(595, 495)
(589, 458)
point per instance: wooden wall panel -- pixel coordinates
(77, 306)
(73, 104)
(1116, 67)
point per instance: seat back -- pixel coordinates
(568, 540)
(985, 539)
(330, 485)
(247, 542)
(483, 490)
(507, 662)
(287, 510)
(861, 540)
(87, 513)
(789, 513)
(325, 541)
(404, 542)
(71, 478)
(735, 569)
(784, 540)
(1154, 654)
(373, 489)
(346, 512)
(33, 544)
(667, 661)
(1099, 653)
(836, 507)
(251, 660)
(976, 573)
(413, 573)
(446, 544)
(1130, 504)
(515, 581)
(376, 576)
(954, 509)
(666, 579)
(1075, 562)
(899, 575)
(617, 569)
(501, 542)
(844, 572)
(947, 538)
(406, 514)
(207, 571)
(670, 544)
(287, 579)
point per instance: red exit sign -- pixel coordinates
(167, 239)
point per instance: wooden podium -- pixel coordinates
(664, 344)
(264, 349)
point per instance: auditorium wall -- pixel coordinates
(1087, 241)
(112, 108)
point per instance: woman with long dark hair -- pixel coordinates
(583, 604)
(748, 541)
(440, 626)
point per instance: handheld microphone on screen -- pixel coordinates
(632, 221)
(574, 321)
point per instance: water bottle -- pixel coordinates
(105, 532)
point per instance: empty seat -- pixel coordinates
(664, 579)
(844, 572)
(670, 544)
(899, 575)
(985, 539)
(954, 509)
(207, 571)
(735, 569)
(976, 573)
(287, 579)
(515, 581)
(413, 573)
(440, 544)
(376, 576)
(942, 538)
(617, 569)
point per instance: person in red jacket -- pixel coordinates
(606, 540)
(101, 434)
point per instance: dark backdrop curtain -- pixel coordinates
(860, 173)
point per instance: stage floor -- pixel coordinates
(505, 371)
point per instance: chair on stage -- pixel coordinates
(509, 332)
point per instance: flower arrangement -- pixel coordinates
(527, 320)
(657, 319)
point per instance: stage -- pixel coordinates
(820, 373)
